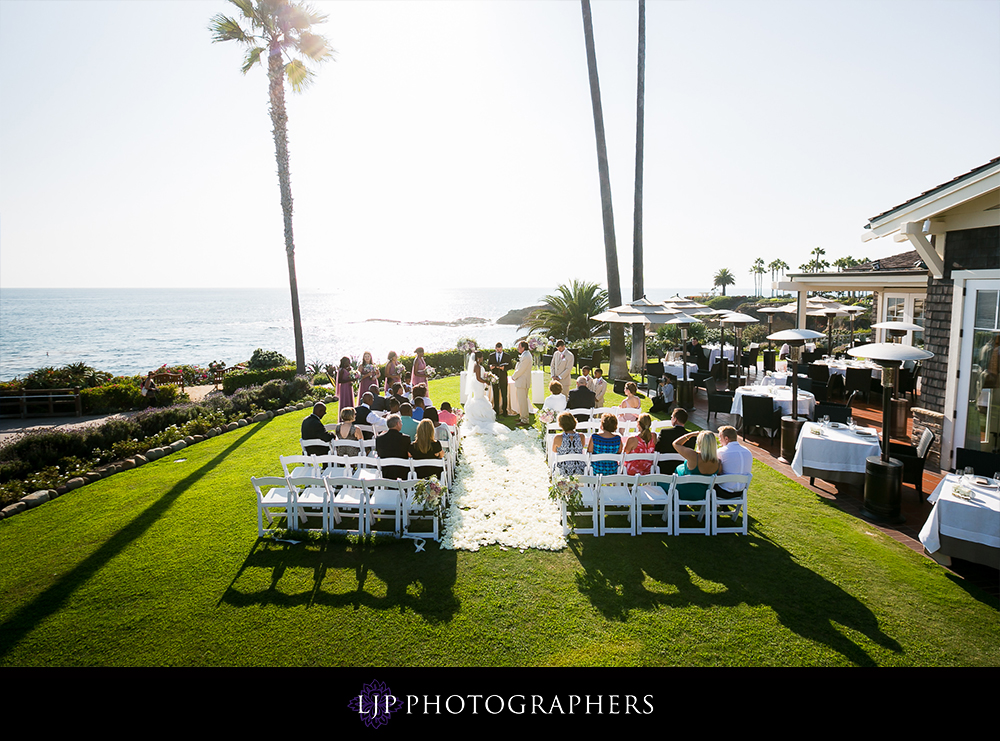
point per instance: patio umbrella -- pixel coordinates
(641, 311)
(739, 321)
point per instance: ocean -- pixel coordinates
(129, 330)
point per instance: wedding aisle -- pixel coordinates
(501, 495)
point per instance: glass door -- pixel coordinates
(981, 367)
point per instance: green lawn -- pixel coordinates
(162, 566)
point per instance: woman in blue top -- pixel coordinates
(703, 460)
(605, 441)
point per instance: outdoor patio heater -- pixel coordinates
(884, 475)
(791, 426)
(769, 354)
(685, 388)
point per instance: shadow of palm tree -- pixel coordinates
(686, 572)
(52, 599)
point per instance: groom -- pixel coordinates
(522, 382)
(499, 363)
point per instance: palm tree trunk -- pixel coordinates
(279, 119)
(638, 289)
(618, 365)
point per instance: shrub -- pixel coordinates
(116, 397)
(320, 379)
(245, 378)
(267, 359)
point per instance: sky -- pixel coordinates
(453, 142)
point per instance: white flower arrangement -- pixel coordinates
(430, 371)
(548, 416)
(500, 496)
(467, 345)
(430, 493)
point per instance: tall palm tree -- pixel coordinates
(724, 278)
(618, 365)
(282, 29)
(758, 269)
(638, 289)
(567, 312)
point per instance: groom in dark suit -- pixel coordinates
(499, 363)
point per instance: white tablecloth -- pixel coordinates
(839, 367)
(677, 369)
(780, 395)
(837, 450)
(977, 521)
(780, 378)
(714, 352)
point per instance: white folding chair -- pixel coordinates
(604, 458)
(636, 458)
(347, 447)
(362, 467)
(405, 463)
(569, 458)
(615, 499)
(383, 501)
(732, 506)
(313, 444)
(416, 513)
(347, 498)
(310, 497)
(331, 465)
(588, 507)
(273, 500)
(299, 465)
(654, 498)
(438, 463)
(701, 505)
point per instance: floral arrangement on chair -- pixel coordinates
(548, 416)
(566, 489)
(430, 493)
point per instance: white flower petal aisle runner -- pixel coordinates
(501, 495)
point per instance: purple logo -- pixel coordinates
(375, 704)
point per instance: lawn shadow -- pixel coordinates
(54, 597)
(422, 582)
(723, 571)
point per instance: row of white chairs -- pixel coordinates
(625, 429)
(654, 497)
(361, 466)
(331, 504)
(367, 448)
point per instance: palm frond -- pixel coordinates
(314, 46)
(252, 57)
(224, 28)
(249, 11)
(299, 76)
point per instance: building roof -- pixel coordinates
(938, 188)
(904, 261)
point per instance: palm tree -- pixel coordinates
(618, 365)
(283, 30)
(724, 278)
(758, 271)
(638, 289)
(567, 312)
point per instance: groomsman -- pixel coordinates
(522, 384)
(499, 363)
(562, 366)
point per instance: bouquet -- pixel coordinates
(429, 372)
(355, 374)
(459, 414)
(492, 379)
(566, 489)
(467, 345)
(430, 493)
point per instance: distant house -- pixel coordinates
(950, 284)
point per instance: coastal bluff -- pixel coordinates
(517, 317)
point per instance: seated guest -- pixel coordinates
(556, 400)
(397, 393)
(378, 402)
(600, 388)
(393, 444)
(632, 401)
(703, 461)
(409, 424)
(346, 430)
(581, 398)
(313, 429)
(418, 408)
(733, 458)
(441, 431)
(605, 441)
(665, 443)
(568, 441)
(420, 392)
(446, 415)
(424, 447)
(585, 371)
(643, 442)
(363, 414)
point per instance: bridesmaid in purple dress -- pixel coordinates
(418, 375)
(369, 374)
(345, 386)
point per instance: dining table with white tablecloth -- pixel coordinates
(965, 520)
(835, 452)
(780, 378)
(715, 352)
(676, 369)
(780, 395)
(839, 367)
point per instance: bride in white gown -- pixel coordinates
(479, 415)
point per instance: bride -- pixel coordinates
(479, 415)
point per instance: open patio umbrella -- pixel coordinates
(739, 321)
(641, 311)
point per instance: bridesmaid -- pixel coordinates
(369, 374)
(418, 375)
(394, 371)
(345, 387)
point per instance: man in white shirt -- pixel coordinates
(733, 458)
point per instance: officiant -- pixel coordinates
(499, 363)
